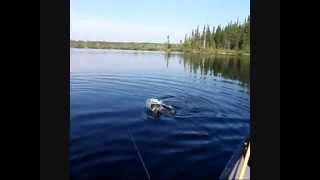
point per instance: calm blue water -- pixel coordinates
(112, 136)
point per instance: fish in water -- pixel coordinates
(158, 107)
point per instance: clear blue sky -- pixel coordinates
(149, 20)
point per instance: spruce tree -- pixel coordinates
(203, 37)
(208, 36)
(213, 44)
(218, 38)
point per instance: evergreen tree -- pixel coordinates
(208, 36)
(203, 38)
(247, 34)
(213, 44)
(197, 38)
(192, 40)
(218, 38)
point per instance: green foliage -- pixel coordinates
(208, 37)
(125, 45)
(233, 36)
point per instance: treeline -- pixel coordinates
(234, 36)
(124, 45)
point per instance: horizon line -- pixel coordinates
(124, 41)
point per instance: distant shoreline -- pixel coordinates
(133, 50)
(142, 46)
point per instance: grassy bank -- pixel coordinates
(150, 47)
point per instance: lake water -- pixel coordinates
(113, 137)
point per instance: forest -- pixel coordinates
(233, 36)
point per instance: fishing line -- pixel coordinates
(139, 154)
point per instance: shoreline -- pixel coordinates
(178, 51)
